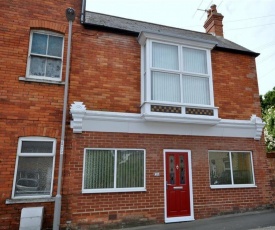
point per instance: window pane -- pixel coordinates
(53, 68)
(37, 147)
(39, 43)
(219, 172)
(99, 169)
(165, 87)
(37, 66)
(196, 90)
(182, 170)
(130, 169)
(172, 169)
(55, 46)
(194, 60)
(165, 56)
(34, 176)
(242, 170)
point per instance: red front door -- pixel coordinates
(177, 184)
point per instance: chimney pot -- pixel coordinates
(214, 8)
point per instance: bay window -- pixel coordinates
(185, 81)
(176, 76)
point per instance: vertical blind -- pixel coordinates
(194, 60)
(165, 87)
(130, 169)
(166, 84)
(196, 90)
(99, 169)
(101, 172)
(165, 56)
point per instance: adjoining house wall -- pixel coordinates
(96, 209)
(27, 108)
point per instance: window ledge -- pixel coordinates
(113, 190)
(41, 81)
(232, 186)
(29, 200)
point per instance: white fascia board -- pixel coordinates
(187, 119)
(143, 36)
(100, 121)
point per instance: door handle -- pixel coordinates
(167, 184)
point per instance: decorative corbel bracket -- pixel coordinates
(259, 125)
(78, 110)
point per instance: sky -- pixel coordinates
(250, 23)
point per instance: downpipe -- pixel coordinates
(70, 15)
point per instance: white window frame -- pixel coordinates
(106, 190)
(179, 72)
(45, 56)
(146, 39)
(19, 154)
(232, 185)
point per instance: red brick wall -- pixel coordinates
(96, 208)
(235, 85)
(109, 78)
(105, 75)
(27, 108)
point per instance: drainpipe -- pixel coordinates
(82, 19)
(70, 15)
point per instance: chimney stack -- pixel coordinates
(213, 23)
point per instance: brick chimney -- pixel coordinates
(213, 24)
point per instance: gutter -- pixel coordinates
(70, 14)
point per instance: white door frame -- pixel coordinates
(183, 218)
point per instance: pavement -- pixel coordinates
(264, 220)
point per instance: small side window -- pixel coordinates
(45, 56)
(34, 169)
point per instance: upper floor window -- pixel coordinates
(34, 168)
(179, 74)
(45, 55)
(176, 76)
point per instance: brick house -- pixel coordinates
(164, 123)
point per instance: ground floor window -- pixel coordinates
(231, 169)
(33, 175)
(113, 170)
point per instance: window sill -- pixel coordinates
(233, 186)
(114, 190)
(29, 200)
(41, 81)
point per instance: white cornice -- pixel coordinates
(143, 36)
(101, 121)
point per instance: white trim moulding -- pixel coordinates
(101, 121)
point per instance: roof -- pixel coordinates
(136, 27)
